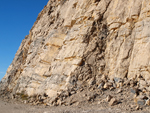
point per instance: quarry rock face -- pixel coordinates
(82, 42)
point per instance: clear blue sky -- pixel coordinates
(16, 19)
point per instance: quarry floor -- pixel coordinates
(17, 107)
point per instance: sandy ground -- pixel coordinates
(16, 107)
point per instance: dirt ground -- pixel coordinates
(17, 107)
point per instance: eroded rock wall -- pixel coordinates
(76, 42)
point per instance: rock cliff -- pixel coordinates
(76, 43)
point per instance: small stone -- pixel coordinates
(114, 85)
(45, 112)
(148, 88)
(78, 103)
(137, 108)
(148, 94)
(59, 102)
(141, 102)
(132, 83)
(116, 79)
(148, 82)
(107, 85)
(101, 85)
(118, 85)
(134, 90)
(139, 76)
(99, 102)
(13, 96)
(109, 97)
(132, 106)
(111, 81)
(112, 88)
(84, 95)
(103, 78)
(113, 102)
(127, 83)
(119, 90)
(135, 96)
(92, 81)
(81, 89)
(25, 102)
(135, 99)
(90, 98)
(142, 83)
(73, 92)
(142, 97)
(121, 84)
(144, 90)
(147, 102)
(55, 104)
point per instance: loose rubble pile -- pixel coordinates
(126, 94)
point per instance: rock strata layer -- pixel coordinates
(76, 43)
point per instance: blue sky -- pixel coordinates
(16, 19)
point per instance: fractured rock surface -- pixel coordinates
(80, 43)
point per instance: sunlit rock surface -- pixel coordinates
(74, 41)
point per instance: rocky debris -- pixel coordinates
(121, 96)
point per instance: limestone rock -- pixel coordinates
(107, 85)
(119, 90)
(148, 102)
(109, 97)
(73, 42)
(134, 90)
(141, 102)
(100, 86)
(113, 102)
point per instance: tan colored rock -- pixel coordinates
(74, 41)
(148, 88)
(142, 83)
(119, 90)
(107, 85)
(113, 102)
(109, 97)
(148, 102)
